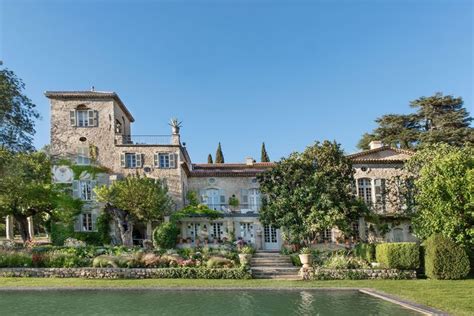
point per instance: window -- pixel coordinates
(87, 222)
(83, 156)
(217, 231)
(326, 234)
(165, 160)
(83, 118)
(85, 190)
(131, 160)
(355, 231)
(365, 190)
(118, 127)
(246, 232)
(213, 198)
(254, 199)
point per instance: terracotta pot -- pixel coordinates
(305, 260)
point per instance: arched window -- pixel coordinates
(364, 189)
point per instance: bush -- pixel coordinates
(398, 255)
(365, 251)
(14, 259)
(444, 259)
(202, 273)
(164, 236)
(219, 262)
(339, 261)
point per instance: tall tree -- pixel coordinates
(134, 199)
(438, 119)
(444, 192)
(264, 156)
(219, 154)
(310, 191)
(26, 190)
(17, 114)
(209, 159)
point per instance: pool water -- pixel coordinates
(195, 302)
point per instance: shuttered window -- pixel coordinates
(165, 160)
(84, 118)
(131, 160)
(380, 203)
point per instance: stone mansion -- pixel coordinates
(92, 127)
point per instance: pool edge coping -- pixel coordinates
(423, 309)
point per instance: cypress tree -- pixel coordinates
(264, 157)
(219, 154)
(209, 159)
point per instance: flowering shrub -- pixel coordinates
(338, 261)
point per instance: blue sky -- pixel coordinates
(242, 72)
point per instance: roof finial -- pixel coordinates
(92, 88)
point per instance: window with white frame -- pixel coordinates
(87, 222)
(131, 160)
(254, 199)
(84, 118)
(213, 198)
(380, 201)
(83, 156)
(326, 234)
(217, 230)
(86, 189)
(364, 189)
(165, 160)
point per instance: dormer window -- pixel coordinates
(83, 118)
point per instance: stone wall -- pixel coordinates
(356, 274)
(125, 273)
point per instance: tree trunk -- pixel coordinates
(124, 224)
(22, 222)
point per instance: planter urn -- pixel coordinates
(305, 260)
(244, 259)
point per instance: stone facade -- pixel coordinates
(98, 125)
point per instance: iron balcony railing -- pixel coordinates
(146, 139)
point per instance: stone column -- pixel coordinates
(31, 231)
(148, 231)
(9, 227)
(175, 139)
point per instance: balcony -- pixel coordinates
(137, 140)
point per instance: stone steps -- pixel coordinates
(273, 265)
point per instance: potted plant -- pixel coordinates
(305, 257)
(233, 203)
(245, 255)
(175, 125)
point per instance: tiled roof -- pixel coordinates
(376, 150)
(91, 95)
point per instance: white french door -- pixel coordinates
(271, 238)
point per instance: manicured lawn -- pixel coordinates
(456, 297)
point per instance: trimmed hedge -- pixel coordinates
(444, 259)
(361, 274)
(365, 251)
(398, 255)
(165, 235)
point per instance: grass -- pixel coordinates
(455, 297)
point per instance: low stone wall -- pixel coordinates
(126, 273)
(356, 274)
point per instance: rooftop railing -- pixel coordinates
(146, 139)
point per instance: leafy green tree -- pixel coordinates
(438, 119)
(264, 156)
(444, 192)
(17, 114)
(26, 190)
(209, 159)
(219, 154)
(310, 191)
(132, 200)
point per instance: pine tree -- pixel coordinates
(438, 119)
(209, 159)
(264, 156)
(219, 154)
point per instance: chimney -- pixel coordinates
(249, 161)
(375, 144)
